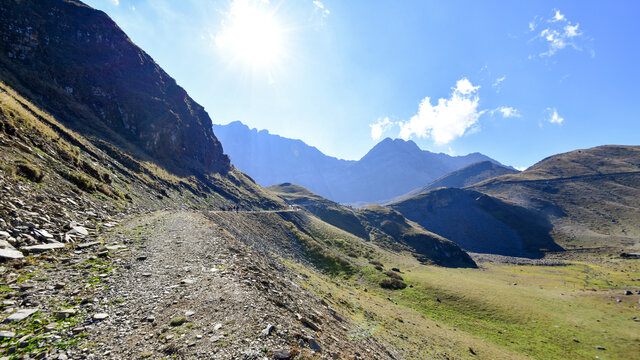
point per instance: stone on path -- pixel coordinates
(100, 316)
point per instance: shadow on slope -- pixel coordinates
(381, 225)
(480, 223)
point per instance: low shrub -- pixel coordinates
(81, 181)
(28, 171)
(393, 275)
(393, 284)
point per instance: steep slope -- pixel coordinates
(75, 63)
(590, 195)
(480, 223)
(389, 169)
(381, 225)
(467, 176)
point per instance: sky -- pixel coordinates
(515, 80)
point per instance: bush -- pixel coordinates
(393, 284)
(28, 171)
(81, 181)
(376, 263)
(393, 275)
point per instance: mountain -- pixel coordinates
(272, 159)
(467, 176)
(583, 198)
(590, 195)
(381, 225)
(389, 169)
(480, 223)
(76, 63)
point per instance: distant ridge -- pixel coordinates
(583, 198)
(467, 176)
(391, 168)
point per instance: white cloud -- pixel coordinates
(448, 119)
(507, 112)
(115, 2)
(557, 34)
(499, 81)
(553, 117)
(320, 7)
(557, 17)
(377, 129)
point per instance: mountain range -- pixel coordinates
(390, 169)
(128, 228)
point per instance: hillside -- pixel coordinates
(584, 198)
(381, 225)
(389, 169)
(589, 195)
(467, 176)
(480, 223)
(126, 233)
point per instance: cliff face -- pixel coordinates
(80, 66)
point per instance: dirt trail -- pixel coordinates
(181, 267)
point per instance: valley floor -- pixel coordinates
(180, 285)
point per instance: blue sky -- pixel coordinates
(516, 80)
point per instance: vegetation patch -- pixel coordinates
(81, 181)
(28, 171)
(392, 283)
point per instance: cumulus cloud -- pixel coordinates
(448, 119)
(557, 33)
(506, 112)
(553, 117)
(382, 126)
(320, 7)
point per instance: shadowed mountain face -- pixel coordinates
(480, 223)
(75, 63)
(390, 169)
(382, 225)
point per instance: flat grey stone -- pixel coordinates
(79, 230)
(7, 334)
(43, 247)
(11, 254)
(87, 244)
(100, 316)
(20, 315)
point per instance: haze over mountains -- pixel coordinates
(390, 169)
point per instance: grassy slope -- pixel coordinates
(381, 225)
(591, 195)
(545, 311)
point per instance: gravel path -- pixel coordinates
(187, 288)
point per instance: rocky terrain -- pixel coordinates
(125, 233)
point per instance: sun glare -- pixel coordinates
(252, 34)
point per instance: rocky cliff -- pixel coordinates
(76, 63)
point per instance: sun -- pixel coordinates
(252, 34)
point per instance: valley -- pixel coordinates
(128, 232)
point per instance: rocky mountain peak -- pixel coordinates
(82, 67)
